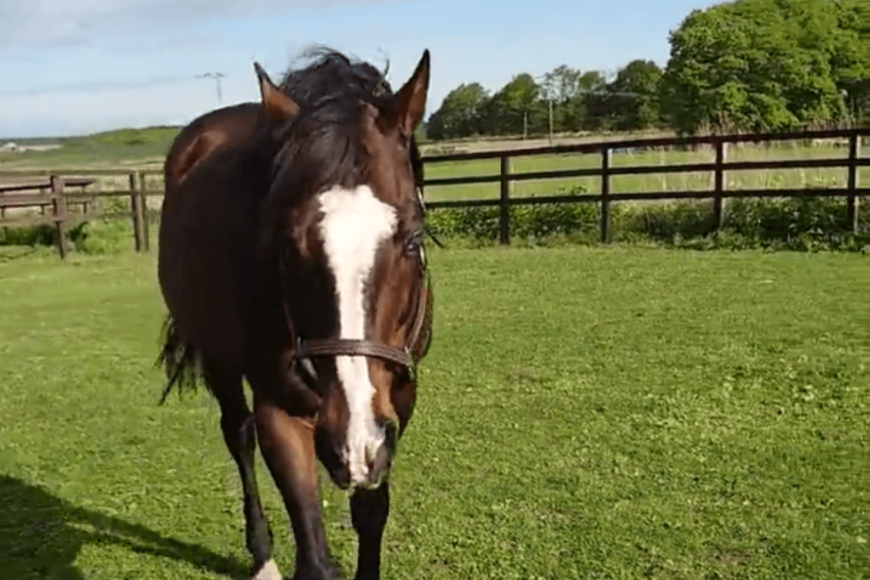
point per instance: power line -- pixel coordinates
(104, 86)
(549, 88)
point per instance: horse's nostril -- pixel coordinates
(379, 464)
(391, 434)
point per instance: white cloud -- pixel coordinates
(59, 22)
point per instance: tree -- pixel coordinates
(754, 64)
(459, 114)
(566, 87)
(589, 102)
(559, 88)
(509, 110)
(634, 96)
(850, 60)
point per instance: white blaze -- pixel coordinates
(354, 224)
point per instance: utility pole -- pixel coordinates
(217, 76)
(547, 84)
(550, 102)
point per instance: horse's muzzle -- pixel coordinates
(369, 473)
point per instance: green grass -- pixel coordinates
(583, 413)
(123, 147)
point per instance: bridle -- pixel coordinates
(308, 348)
(314, 347)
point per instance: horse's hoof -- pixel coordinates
(268, 571)
(328, 573)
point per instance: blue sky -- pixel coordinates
(80, 66)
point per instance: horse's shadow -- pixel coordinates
(41, 535)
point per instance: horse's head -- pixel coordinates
(346, 220)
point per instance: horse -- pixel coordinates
(293, 259)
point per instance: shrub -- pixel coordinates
(804, 224)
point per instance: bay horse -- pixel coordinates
(293, 259)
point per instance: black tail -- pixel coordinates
(182, 363)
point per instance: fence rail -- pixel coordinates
(52, 190)
(852, 161)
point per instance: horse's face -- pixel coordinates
(355, 270)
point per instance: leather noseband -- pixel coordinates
(308, 348)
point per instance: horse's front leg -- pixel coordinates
(287, 445)
(369, 509)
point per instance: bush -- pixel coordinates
(27, 236)
(530, 222)
(107, 236)
(804, 224)
(96, 236)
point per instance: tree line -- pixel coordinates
(744, 65)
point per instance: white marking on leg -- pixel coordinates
(269, 571)
(354, 224)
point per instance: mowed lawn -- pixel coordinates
(583, 413)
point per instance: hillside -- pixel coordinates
(110, 148)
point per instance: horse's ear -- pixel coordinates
(412, 96)
(276, 104)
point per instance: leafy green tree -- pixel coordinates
(590, 102)
(567, 88)
(754, 64)
(508, 111)
(592, 81)
(558, 89)
(460, 113)
(850, 60)
(634, 96)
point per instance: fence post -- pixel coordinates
(605, 193)
(719, 185)
(504, 208)
(852, 199)
(135, 214)
(58, 206)
(143, 206)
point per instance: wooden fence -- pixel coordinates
(52, 191)
(851, 161)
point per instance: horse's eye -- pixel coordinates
(412, 244)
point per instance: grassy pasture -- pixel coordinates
(583, 413)
(136, 148)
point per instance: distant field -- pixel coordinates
(145, 149)
(609, 413)
(137, 148)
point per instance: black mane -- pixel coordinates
(330, 91)
(333, 75)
